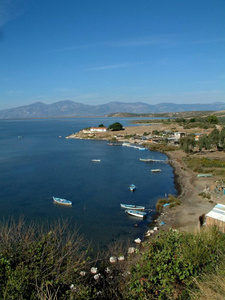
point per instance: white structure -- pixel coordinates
(98, 129)
(216, 217)
(178, 135)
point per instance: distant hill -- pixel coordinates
(69, 108)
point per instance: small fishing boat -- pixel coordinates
(132, 187)
(130, 206)
(61, 201)
(136, 213)
(96, 160)
(155, 170)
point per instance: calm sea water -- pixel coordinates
(42, 165)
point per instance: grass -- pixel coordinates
(173, 201)
(161, 147)
(205, 165)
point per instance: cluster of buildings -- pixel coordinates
(172, 137)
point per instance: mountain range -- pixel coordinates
(68, 108)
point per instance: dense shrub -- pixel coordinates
(173, 201)
(35, 263)
(170, 262)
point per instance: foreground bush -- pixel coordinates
(39, 264)
(170, 263)
(52, 264)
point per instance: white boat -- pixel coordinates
(136, 213)
(155, 170)
(96, 160)
(130, 206)
(62, 201)
(132, 187)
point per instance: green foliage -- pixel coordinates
(214, 137)
(204, 142)
(212, 119)
(171, 261)
(205, 195)
(38, 262)
(205, 165)
(46, 264)
(161, 147)
(222, 138)
(187, 143)
(128, 136)
(101, 125)
(115, 126)
(173, 201)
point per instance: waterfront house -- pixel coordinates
(98, 129)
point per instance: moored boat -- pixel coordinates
(96, 160)
(155, 170)
(131, 206)
(136, 213)
(132, 187)
(62, 201)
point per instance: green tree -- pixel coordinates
(222, 138)
(101, 125)
(204, 142)
(214, 137)
(115, 126)
(187, 143)
(212, 119)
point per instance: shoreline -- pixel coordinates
(184, 217)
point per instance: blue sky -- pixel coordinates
(98, 51)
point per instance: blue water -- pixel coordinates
(42, 165)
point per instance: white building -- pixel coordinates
(98, 129)
(178, 135)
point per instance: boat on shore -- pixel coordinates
(136, 213)
(62, 201)
(130, 206)
(155, 170)
(132, 187)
